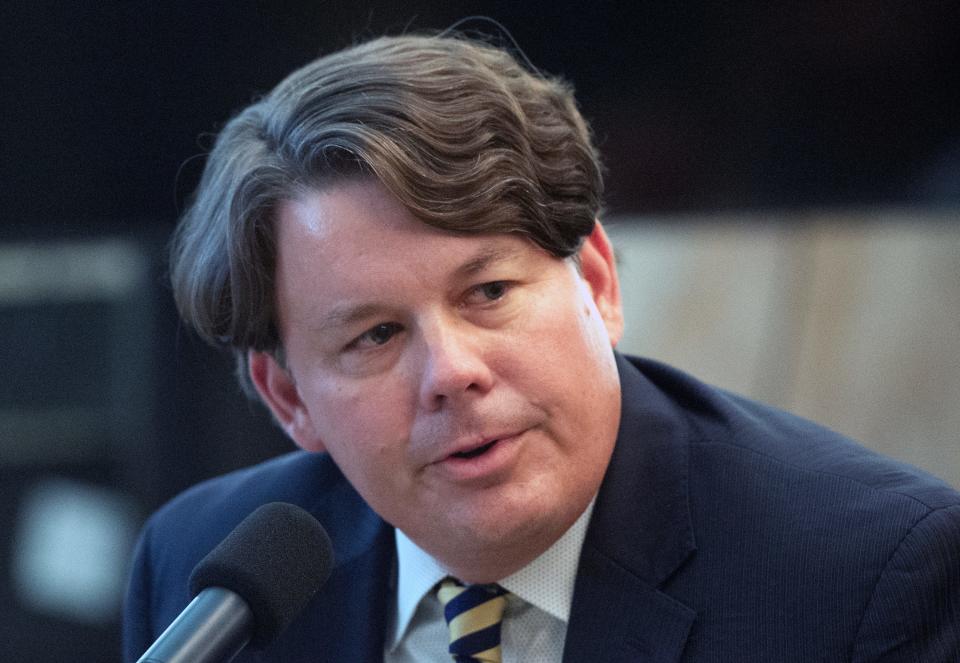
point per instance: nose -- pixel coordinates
(453, 366)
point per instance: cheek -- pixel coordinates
(571, 325)
(363, 422)
(573, 347)
(590, 325)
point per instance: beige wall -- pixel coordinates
(850, 319)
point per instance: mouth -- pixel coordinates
(473, 453)
(483, 460)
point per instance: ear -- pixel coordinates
(279, 392)
(599, 269)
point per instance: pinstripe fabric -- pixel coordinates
(724, 531)
(473, 614)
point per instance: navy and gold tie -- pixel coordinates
(473, 614)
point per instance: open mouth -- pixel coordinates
(473, 453)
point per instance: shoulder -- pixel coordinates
(790, 518)
(193, 522)
(755, 441)
(179, 534)
(913, 612)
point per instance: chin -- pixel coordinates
(505, 528)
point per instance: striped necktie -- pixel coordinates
(473, 614)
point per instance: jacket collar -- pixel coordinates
(347, 619)
(640, 534)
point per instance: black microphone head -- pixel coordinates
(276, 560)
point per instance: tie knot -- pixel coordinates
(473, 613)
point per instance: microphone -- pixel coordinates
(249, 588)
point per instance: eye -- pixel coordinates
(488, 292)
(376, 336)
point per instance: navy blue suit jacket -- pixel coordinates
(724, 531)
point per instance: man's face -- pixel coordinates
(465, 385)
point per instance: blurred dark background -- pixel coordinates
(108, 407)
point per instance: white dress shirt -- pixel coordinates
(534, 623)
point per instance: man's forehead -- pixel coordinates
(356, 241)
(365, 218)
(447, 262)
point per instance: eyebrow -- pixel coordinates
(484, 258)
(348, 314)
(345, 315)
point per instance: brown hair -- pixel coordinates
(466, 138)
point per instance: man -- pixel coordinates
(401, 245)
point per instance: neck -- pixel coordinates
(496, 565)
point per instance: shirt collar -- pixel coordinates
(546, 582)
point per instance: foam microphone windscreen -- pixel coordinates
(276, 560)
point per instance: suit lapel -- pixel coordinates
(346, 621)
(639, 535)
(355, 623)
(617, 618)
